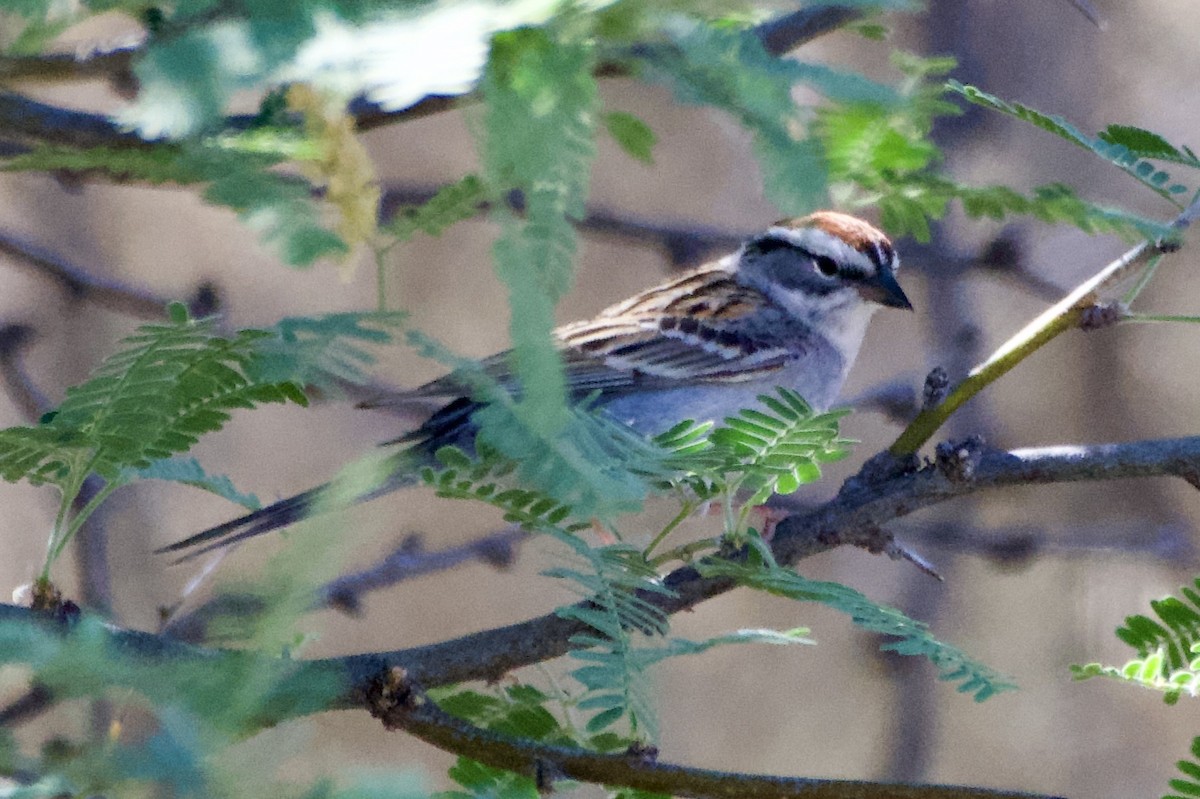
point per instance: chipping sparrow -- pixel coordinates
(789, 308)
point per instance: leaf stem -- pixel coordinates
(1143, 281)
(81, 518)
(1149, 317)
(380, 278)
(685, 510)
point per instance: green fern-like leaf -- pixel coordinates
(1147, 144)
(632, 133)
(169, 384)
(542, 86)
(281, 208)
(516, 710)
(1168, 648)
(453, 203)
(731, 71)
(1187, 787)
(881, 156)
(597, 467)
(188, 471)
(910, 637)
(614, 666)
(906, 205)
(1150, 672)
(1175, 633)
(1112, 148)
(325, 351)
(780, 447)
(611, 580)
(486, 782)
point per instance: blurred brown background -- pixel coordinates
(1098, 552)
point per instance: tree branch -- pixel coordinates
(401, 705)
(852, 517)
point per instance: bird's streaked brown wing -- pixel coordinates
(684, 332)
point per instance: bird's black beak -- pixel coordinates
(884, 290)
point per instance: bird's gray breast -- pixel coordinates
(816, 373)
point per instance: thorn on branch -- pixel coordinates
(957, 460)
(897, 551)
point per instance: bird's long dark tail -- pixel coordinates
(289, 511)
(263, 520)
(449, 426)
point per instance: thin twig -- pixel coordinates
(105, 62)
(115, 295)
(1063, 316)
(1018, 546)
(346, 593)
(409, 560)
(27, 121)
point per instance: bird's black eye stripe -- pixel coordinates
(826, 265)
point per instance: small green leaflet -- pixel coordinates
(634, 135)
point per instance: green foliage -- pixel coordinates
(773, 449)
(731, 71)
(610, 577)
(489, 783)
(542, 86)
(325, 351)
(1167, 648)
(1150, 672)
(202, 707)
(392, 53)
(633, 134)
(597, 467)
(1124, 147)
(616, 584)
(1189, 784)
(236, 173)
(188, 471)
(170, 384)
(912, 637)
(882, 157)
(1147, 144)
(453, 203)
(1176, 631)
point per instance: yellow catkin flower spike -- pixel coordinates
(342, 166)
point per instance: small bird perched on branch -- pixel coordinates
(789, 308)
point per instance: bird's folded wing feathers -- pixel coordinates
(658, 340)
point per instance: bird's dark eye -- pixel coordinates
(826, 265)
